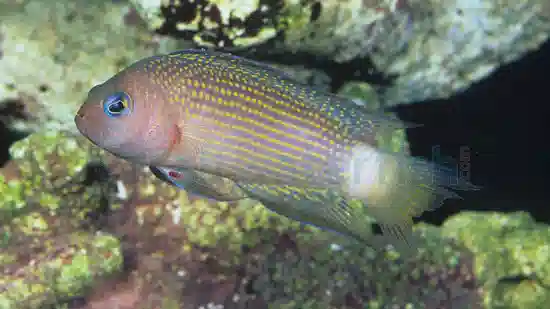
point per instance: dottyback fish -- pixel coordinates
(223, 115)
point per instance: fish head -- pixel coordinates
(128, 116)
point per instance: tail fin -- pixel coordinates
(396, 187)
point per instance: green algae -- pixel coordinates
(288, 265)
(46, 255)
(318, 276)
(54, 52)
(511, 253)
(63, 268)
(38, 165)
(233, 226)
(519, 295)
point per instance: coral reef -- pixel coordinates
(82, 229)
(47, 254)
(431, 49)
(456, 43)
(51, 58)
(511, 256)
(180, 252)
(101, 232)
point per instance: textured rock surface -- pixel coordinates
(48, 255)
(52, 57)
(511, 251)
(183, 253)
(81, 229)
(341, 29)
(41, 270)
(454, 43)
(433, 48)
(52, 53)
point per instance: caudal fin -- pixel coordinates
(396, 188)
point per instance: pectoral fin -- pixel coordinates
(200, 184)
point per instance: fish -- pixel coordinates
(224, 115)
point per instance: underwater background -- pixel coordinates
(80, 228)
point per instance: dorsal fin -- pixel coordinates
(230, 61)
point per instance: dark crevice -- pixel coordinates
(10, 111)
(499, 129)
(360, 69)
(516, 279)
(97, 173)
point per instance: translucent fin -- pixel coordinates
(376, 119)
(321, 208)
(200, 184)
(256, 66)
(164, 175)
(360, 123)
(398, 188)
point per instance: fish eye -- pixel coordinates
(117, 104)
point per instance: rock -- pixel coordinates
(430, 49)
(511, 252)
(174, 251)
(52, 53)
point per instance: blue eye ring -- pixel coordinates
(117, 104)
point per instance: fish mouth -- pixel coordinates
(83, 125)
(79, 119)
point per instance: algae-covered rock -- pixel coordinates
(454, 43)
(53, 52)
(47, 254)
(512, 254)
(341, 29)
(38, 272)
(314, 275)
(183, 252)
(39, 179)
(432, 49)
